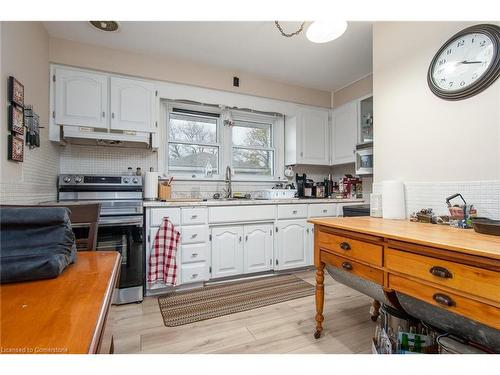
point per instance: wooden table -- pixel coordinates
(454, 269)
(62, 315)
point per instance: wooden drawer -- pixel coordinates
(193, 216)
(472, 309)
(194, 272)
(322, 210)
(157, 215)
(194, 234)
(195, 252)
(292, 211)
(473, 280)
(365, 272)
(348, 247)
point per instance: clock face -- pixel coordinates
(463, 62)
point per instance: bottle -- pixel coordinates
(404, 343)
(138, 171)
(417, 346)
(129, 171)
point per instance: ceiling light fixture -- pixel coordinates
(318, 31)
(105, 25)
(325, 31)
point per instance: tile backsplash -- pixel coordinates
(484, 195)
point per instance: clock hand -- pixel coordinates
(471, 62)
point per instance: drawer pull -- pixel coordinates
(347, 266)
(441, 272)
(194, 255)
(194, 275)
(345, 246)
(294, 212)
(325, 211)
(443, 299)
(194, 235)
(194, 216)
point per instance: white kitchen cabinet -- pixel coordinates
(344, 133)
(307, 137)
(81, 98)
(292, 244)
(227, 251)
(258, 248)
(132, 105)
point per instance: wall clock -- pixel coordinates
(466, 64)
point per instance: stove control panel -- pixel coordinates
(97, 180)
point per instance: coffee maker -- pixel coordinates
(304, 186)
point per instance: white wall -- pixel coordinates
(419, 137)
(25, 55)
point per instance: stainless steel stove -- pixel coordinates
(120, 223)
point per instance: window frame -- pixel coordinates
(224, 143)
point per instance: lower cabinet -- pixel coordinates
(227, 251)
(258, 248)
(292, 244)
(241, 249)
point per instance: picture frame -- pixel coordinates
(16, 119)
(16, 91)
(16, 148)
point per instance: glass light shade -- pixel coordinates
(325, 31)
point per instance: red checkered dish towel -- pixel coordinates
(162, 262)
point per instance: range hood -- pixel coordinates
(87, 135)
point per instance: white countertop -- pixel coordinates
(246, 202)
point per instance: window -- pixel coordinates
(193, 142)
(201, 146)
(252, 149)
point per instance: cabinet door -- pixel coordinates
(132, 105)
(345, 133)
(291, 243)
(314, 137)
(81, 98)
(227, 251)
(310, 244)
(258, 248)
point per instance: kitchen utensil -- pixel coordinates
(486, 226)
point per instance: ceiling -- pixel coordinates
(250, 47)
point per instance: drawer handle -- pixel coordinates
(194, 235)
(194, 275)
(443, 299)
(347, 266)
(345, 246)
(441, 272)
(294, 212)
(194, 216)
(194, 255)
(325, 211)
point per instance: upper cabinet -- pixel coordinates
(344, 133)
(366, 120)
(132, 105)
(81, 98)
(307, 137)
(99, 106)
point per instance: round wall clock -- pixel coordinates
(467, 63)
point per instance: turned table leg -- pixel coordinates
(375, 310)
(320, 298)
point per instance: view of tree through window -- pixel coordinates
(193, 144)
(252, 148)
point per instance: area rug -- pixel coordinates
(179, 308)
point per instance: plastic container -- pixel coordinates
(276, 194)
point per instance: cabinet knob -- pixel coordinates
(112, 115)
(347, 266)
(103, 114)
(294, 212)
(441, 272)
(194, 255)
(246, 238)
(345, 246)
(194, 216)
(194, 275)
(443, 299)
(194, 235)
(307, 230)
(325, 211)
(240, 239)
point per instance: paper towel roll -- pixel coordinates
(150, 185)
(393, 200)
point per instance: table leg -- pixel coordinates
(320, 298)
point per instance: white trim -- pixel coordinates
(352, 83)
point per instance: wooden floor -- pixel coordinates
(286, 327)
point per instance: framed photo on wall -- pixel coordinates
(16, 119)
(16, 91)
(16, 148)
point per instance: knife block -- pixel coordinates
(164, 191)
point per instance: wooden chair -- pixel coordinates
(81, 216)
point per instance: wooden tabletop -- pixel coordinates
(61, 315)
(440, 236)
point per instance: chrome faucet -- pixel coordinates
(229, 189)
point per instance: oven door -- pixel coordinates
(125, 236)
(364, 161)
